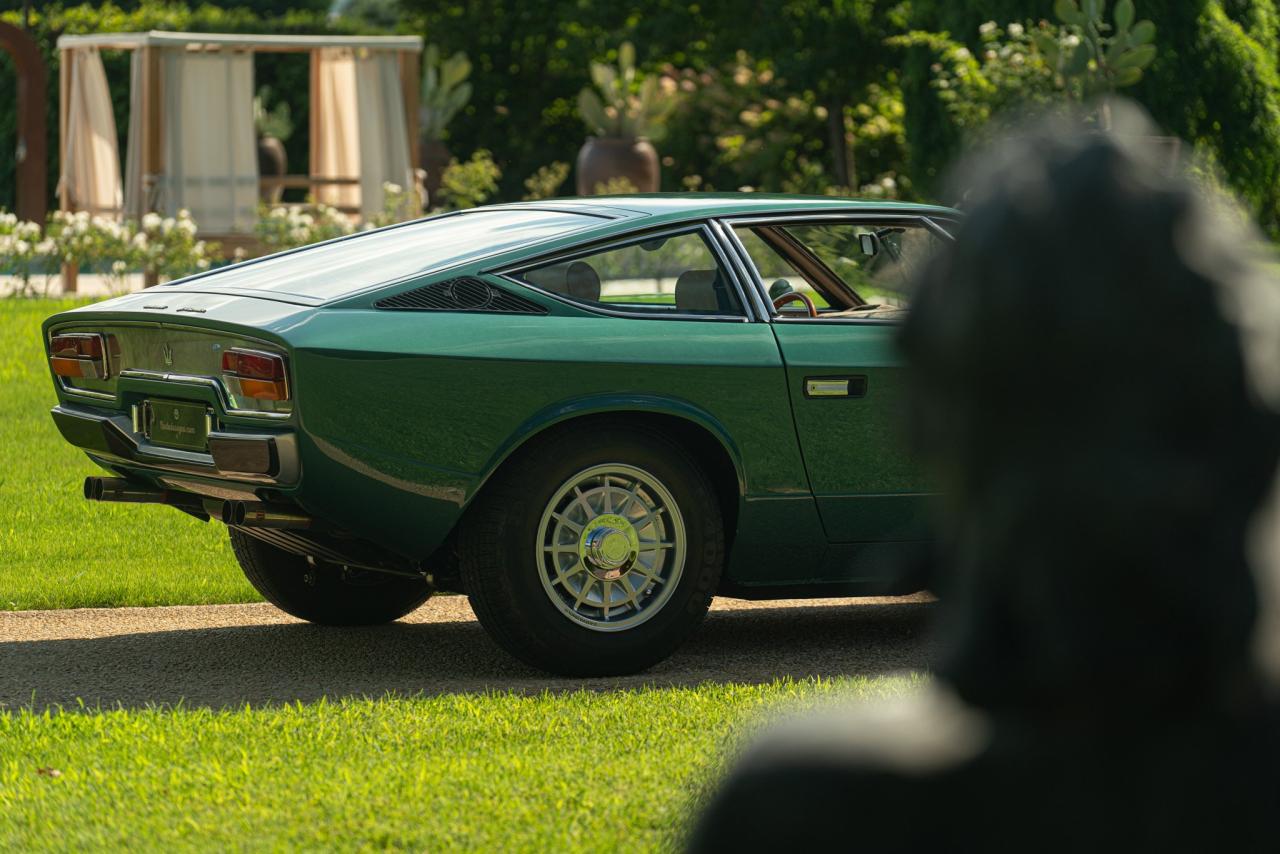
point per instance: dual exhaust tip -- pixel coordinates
(242, 514)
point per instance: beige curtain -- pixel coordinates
(91, 165)
(361, 127)
(211, 154)
(337, 143)
(135, 202)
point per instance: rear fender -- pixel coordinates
(603, 404)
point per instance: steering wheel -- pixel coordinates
(794, 296)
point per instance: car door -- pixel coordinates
(843, 370)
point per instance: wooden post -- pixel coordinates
(152, 160)
(410, 81)
(313, 154)
(70, 272)
(33, 145)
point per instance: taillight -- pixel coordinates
(79, 354)
(256, 375)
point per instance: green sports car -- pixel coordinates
(589, 415)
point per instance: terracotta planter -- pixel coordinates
(433, 157)
(272, 163)
(605, 158)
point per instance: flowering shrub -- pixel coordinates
(164, 246)
(283, 227)
(22, 250)
(398, 205)
(167, 246)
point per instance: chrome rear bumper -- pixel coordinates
(260, 458)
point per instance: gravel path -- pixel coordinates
(229, 655)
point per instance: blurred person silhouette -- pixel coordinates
(1093, 367)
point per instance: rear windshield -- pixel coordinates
(330, 271)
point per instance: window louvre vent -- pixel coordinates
(463, 294)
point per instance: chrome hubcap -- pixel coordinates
(611, 547)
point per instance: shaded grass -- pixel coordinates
(581, 771)
(58, 550)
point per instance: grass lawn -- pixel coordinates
(58, 550)
(583, 771)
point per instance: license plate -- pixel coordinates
(178, 424)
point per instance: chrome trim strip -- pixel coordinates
(96, 395)
(509, 273)
(759, 297)
(188, 379)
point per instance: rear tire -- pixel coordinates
(554, 537)
(325, 593)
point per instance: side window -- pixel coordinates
(779, 275)
(663, 275)
(876, 262)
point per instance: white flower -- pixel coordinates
(203, 264)
(1071, 40)
(279, 212)
(21, 247)
(988, 27)
(391, 189)
(183, 213)
(188, 225)
(1016, 30)
(151, 221)
(140, 240)
(1016, 59)
(118, 267)
(963, 54)
(167, 224)
(46, 247)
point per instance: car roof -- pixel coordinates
(698, 205)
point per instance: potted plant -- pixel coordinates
(625, 116)
(445, 91)
(274, 127)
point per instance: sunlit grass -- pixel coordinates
(58, 550)
(584, 771)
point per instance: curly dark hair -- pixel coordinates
(1081, 389)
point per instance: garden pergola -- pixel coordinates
(191, 141)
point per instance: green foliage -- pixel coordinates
(466, 184)
(618, 104)
(275, 121)
(445, 91)
(546, 182)
(1097, 58)
(744, 126)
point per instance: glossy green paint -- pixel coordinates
(867, 487)
(402, 416)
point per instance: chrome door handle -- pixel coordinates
(847, 386)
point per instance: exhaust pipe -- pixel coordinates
(118, 489)
(255, 514)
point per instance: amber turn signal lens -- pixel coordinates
(79, 354)
(260, 376)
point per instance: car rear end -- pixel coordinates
(179, 394)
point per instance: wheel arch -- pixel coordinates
(689, 425)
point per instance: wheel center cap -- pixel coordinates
(609, 546)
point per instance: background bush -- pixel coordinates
(797, 95)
